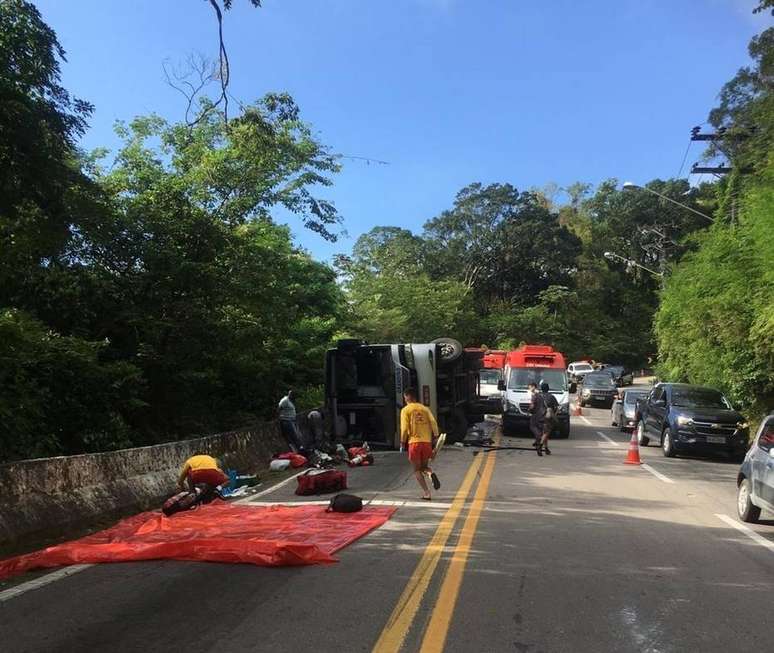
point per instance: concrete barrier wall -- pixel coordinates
(51, 496)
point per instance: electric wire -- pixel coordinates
(685, 157)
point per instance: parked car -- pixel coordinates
(623, 414)
(598, 388)
(576, 371)
(684, 417)
(620, 374)
(755, 481)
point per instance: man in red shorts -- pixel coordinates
(201, 468)
(418, 428)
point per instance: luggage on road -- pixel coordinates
(360, 456)
(345, 503)
(321, 481)
(190, 499)
(296, 459)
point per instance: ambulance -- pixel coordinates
(533, 364)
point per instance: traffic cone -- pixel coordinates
(633, 457)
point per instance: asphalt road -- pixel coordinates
(570, 552)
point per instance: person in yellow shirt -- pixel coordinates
(418, 428)
(201, 468)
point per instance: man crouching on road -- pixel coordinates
(201, 469)
(418, 428)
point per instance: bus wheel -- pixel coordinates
(451, 349)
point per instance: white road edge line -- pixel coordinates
(18, 590)
(749, 532)
(657, 474)
(269, 490)
(609, 439)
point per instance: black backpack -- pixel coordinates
(551, 404)
(345, 503)
(539, 406)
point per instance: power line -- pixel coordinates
(685, 157)
(368, 160)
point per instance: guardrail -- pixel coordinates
(49, 496)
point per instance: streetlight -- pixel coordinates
(629, 185)
(611, 256)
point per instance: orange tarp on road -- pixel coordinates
(269, 536)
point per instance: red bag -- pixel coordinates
(296, 459)
(179, 502)
(317, 481)
(360, 456)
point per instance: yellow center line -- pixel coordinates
(397, 627)
(438, 628)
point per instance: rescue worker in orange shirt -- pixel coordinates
(201, 468)
(418, 429)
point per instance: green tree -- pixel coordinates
(745, 109)
(211, 299)
(503, 244)
(58, 396)
(41, 186)
(391, 298)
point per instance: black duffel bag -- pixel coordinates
(345, 503)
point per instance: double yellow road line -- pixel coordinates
(402, 617)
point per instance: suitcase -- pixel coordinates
(320, 481)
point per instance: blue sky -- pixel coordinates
(449, 92)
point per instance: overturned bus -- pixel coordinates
(364, 387)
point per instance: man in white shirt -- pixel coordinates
(287, 420)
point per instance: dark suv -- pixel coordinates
(685, 417)
(620, 375)
(598, 388)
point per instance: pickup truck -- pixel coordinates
(682, 417)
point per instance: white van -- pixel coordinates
(576, 371)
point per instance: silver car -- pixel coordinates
(755, 481)
(622, 412)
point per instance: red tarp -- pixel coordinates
(269, 536)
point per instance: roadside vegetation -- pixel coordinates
(150, 294)
(715, 322)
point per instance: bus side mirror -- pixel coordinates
(501, 385)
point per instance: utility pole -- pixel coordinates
(696, 135)
(716, 137)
